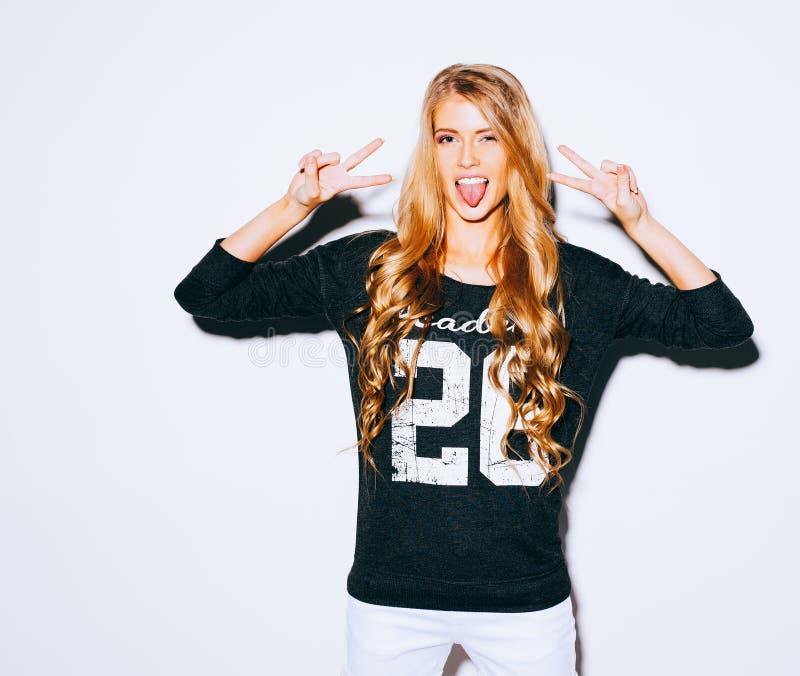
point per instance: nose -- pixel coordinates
(467, 157)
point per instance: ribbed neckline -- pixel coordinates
(455, 282)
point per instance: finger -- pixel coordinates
(586, 167)
(623, 185)
(609, 166)
(312, 178)
(360, 155)
(634, 185)
(578, 183)
(302, 162)
(324, 160)
(367, 181)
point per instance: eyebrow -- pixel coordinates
(478, 131)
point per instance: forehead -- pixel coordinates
(456, 112)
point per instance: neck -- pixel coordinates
(471, 243)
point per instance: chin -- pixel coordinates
(478, 213)
(474, 214)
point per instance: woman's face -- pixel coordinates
(467, 147)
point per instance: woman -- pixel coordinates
(479, 331)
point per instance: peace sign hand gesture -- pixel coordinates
(613, 184)
(321, 176)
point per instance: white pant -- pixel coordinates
(391, 641)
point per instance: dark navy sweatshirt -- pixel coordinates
(451, 524)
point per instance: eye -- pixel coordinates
(441, 139)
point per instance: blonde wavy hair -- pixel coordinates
(404, 272)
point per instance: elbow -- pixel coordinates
(734, 335)
(746, 330)
(185, 300)
(180, 299)
(202, 306)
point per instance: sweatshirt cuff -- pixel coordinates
(226, 256)
(221, 266)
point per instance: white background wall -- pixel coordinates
(170, 497)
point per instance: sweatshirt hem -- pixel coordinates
(516, 595)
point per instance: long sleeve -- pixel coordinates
(622, 304)
(223, 287)
(709, 316)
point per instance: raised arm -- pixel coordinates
(708, 316)
(226, 288)
(698, 311)
(229, 284)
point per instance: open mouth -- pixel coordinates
(472, 189)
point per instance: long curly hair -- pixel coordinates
(405, 272)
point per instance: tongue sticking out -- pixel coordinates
(471, 193)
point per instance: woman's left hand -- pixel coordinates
(613, 184)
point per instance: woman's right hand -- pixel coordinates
(321, 176)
